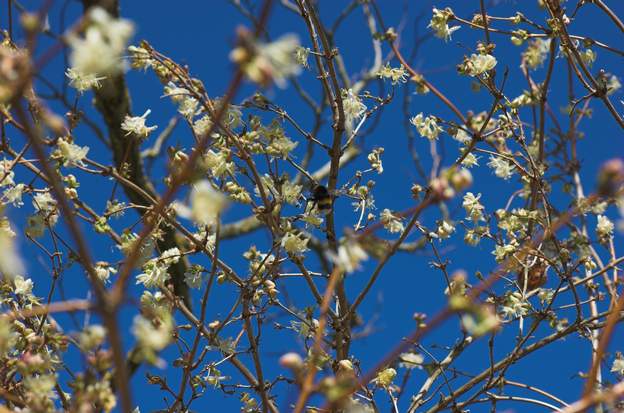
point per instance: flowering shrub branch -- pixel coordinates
(317, 193)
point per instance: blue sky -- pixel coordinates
(201, 34)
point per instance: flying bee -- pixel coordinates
(321, 198)
(534, 277)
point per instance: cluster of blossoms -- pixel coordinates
(206, 203)
(264, 63)
(354, 109)
(439, 23)
(155, 271)
(478, 64)
(98, 52)
(135, 125)
(395, 74)
(427, 126)
(391, 222)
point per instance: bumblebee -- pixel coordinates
(321, 198)
(537, 276)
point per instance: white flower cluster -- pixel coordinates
(206, 203)
(374, 158)
(152, 336)
(427, 126)
(473, 207)
(99, 52)
(604, 229)
(618, 364)
(353, 107)
(83, 81)
(514, 306)
(395, 74)
(264, 63)
(349, 256)
(502, 167)
(391, 222)
(10, 261)
(188, 106)
(445, 230)
(479, 64)
(71, 153)
(155, 271)
(13, 195)
(439, 23)
(45, 205)
(135, 125)
(294, 243)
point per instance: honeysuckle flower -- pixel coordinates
(202, 126)
(470, 160)
(45, 205)
(618, 364)
(503, 251)
(188, 107)
(349, 256)
(473, 207)
(353, 107)
(462, 136)
(219, 163)
(43, 201)
(294, 243)
(391, 222)
(264, 63)
(193, 277)
(83, 82)
(140, 58)
(479, 64)
(604, 228)
(13, 195)
(22, 286)
(71, 153)
(395, 74)
(411, 360)
(481, 320)
(514, 306)
(176, 93)
(35, 226)
(136, 125)
(41, 386)
(99, 51)
(128, 243)
(291, 192)
(613, 84)
(502, 167)
(91, 337)
(206, 203)
(427, 126)
(154, 274)
(291, 361)
(439, 23)
(385, 377)
(301, 56)
(281, 146)
(237, 192)
(589, 56)
(170, 256)
(536, 52)
(6, 173)
(104, 271)
(445, 230)
(374, 158)
(150, 336)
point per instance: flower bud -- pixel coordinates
(291, 361)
